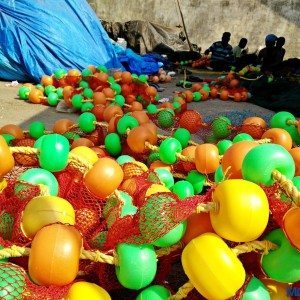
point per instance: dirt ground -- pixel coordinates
(16, 111)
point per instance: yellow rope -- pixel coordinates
(182, 292)
(162, 137)
(14, 251)
(179, 175)
(209, 183)
(44, 190)
(193, 143)
(101, 124)
(264, 141)
(74, 126)
(98, 256)
(79, 163)
(23, 150)
(151, 147)
(184, 158)
(292, 122)
(287, 185)
(263, 246)
(167, 250)
(206, 207)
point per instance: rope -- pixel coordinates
(193, 143)
(179, 175)
(287, 185)
(24, 150)
(167, 250)
(98, 256)
(101, 124)
(140, 165)
(263, 246)
(209, 183)
(14, 251)
(74, 126)
(206, 207)
(184, 158)
(44, 190)
(79, 163)
(251, 79)
(151, 147)
(183, 291)
(292, 122)
(264, 141)
(162, 137)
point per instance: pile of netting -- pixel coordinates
(111, 206)
(122, 206)
(282, 93)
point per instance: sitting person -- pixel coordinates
(238, 50)
(267, 55)
(280, 51)
(221, 53)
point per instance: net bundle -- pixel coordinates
(15, 197)
(159, 214)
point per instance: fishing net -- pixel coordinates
(102, 224)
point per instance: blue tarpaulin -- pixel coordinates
(138, 64)
(37, 37)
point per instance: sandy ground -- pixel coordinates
(16, 111)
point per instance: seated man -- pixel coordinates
(280, 51)
(238, 51)
(221, 53)
(267, 55)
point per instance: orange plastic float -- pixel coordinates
(55, 249)
(104, 170)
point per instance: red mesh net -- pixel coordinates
(12, 206)
(254, 130)
(88, 208)
(191, 120)
(157, 215)
(13, 283)
(278, 208)
(35, 292)
(183, 167)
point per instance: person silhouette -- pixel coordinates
(280, 51)
(221, 53)
(239, 49)
(267, 55)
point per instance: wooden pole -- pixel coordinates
(184, 28)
